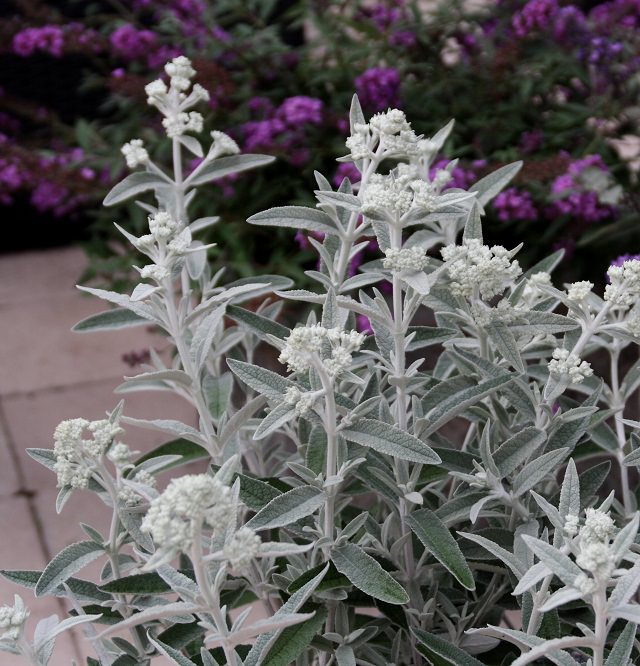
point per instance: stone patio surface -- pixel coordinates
(47, 374)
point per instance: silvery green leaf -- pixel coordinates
(437, 647)
(293, 603)
(523, 640)
(196, 259)
(388, 439)
(63, 495)
(169, 426)
(217, 391)
(361, 280)
(343, 301)
(294, 641)
(532, 577)
(441, 136)
(458, 403)
(67, 562)
(345, 656)
(501, 553)
(349, 202)
(257, 323)
(546, 265)
(633, 459)
(44, 649)
(425, 336)
(570, 492)
(288, 508)
(191, 144)
(367, 575)
(276, 418)
(555, 560)
(543, 322)
(438, 540)
(225, 166)
(178, 582)
(146, 583)
(537, 469)
(235, 294)
(625, 537)
(142, 291)
(177, 376)
(517, 449)
(240, 418)
(474, 511)
(203, 223)
(356, 116)
(174, 656)
(111, 320)
(323, 183)
(132, 185)
(266, 382)
(252, 287)
(244, 634)
(505, 342)
(621, 651)
(82, 589)
(296, 217)
(629, 612)
(473, 225)
(204, 335)
(207, 659)
(560, 597)
(491, 185)
(281, 548)
(132, 522)
(550, 511)
(418, 280)
(141, 309)
(626, 586)
(65, 625)
(176, 611)
(330, 310)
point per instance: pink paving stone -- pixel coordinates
(20, 549)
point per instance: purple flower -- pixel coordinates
(49, 38)
(48, 196)
(536, 15)
(514, 205)
(346, 170)
(531, 141)
(379, 88)
(301, 109)
(363, 324)
(130, 43)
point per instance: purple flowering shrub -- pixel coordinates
(557, 80)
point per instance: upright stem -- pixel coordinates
(211, 599)
(185, 358)
(600, 610)
(618, 405)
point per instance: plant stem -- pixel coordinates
(600, 610)
(618, 405)
(212, 600)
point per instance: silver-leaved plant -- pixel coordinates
(371, 503)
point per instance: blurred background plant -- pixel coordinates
(558, 81)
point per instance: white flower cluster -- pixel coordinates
(624, 289)
(119, 454)
(532, 291)
(129, 495)
(303, 401)
(175, 517)
(223, 144)
(173, 100)
(304, 346)
(240, 550)
(12, 619)
(503, 312)
(135, 153)
(162, 226)
(566, 364)
(392, 133)
(405, 259)
(632, 323)
(579, 291)
(473, 267)
(386, 194)
(75, 455)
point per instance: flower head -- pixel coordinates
(12, 619)
(175, 517)
(135, 153)
(240, 550)
(472, 266)
(566, 364)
